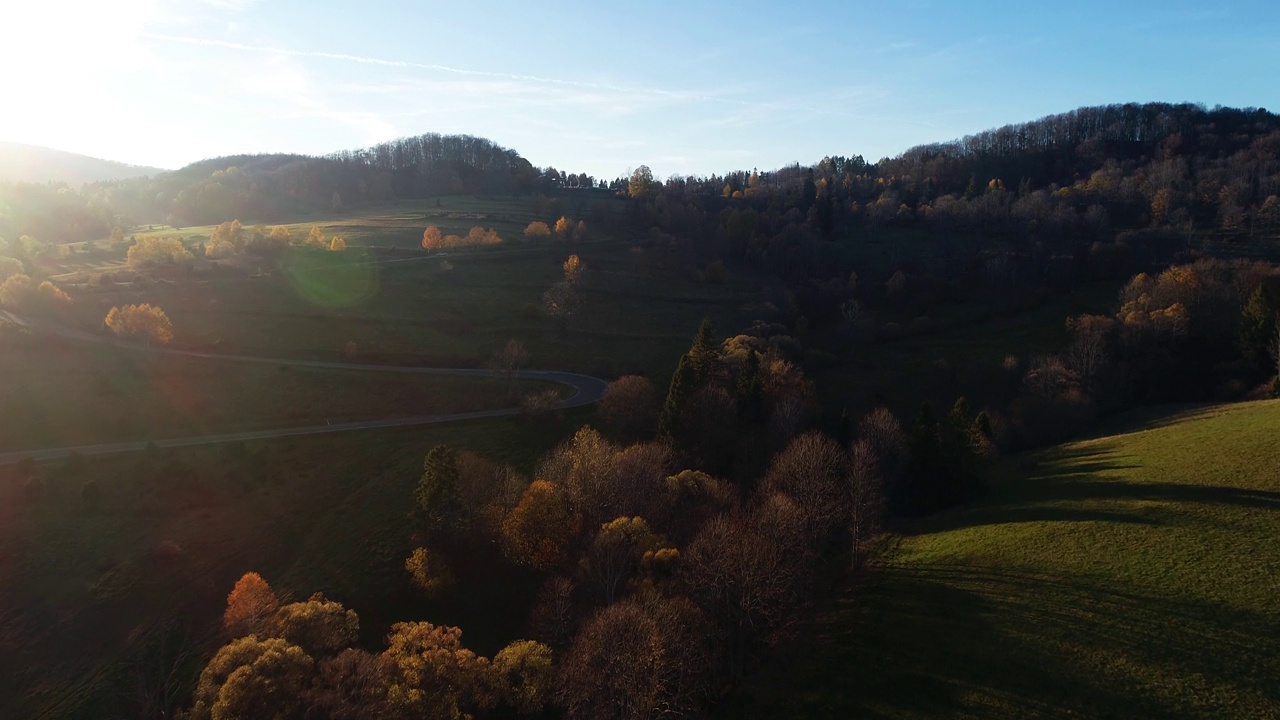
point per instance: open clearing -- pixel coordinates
(1132, 575)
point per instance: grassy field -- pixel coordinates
(58, 393)
(1131, 575)
(81, 590)
(638, 311)
(400, 225)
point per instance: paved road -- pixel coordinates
(586, 390)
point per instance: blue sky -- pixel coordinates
(603, 87)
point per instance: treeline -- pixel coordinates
(669, 567)
(53, 212)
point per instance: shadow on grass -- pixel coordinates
(1065, 488)
(954, 641)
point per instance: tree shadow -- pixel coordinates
(946, 641)
(1065, 486)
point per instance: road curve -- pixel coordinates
(586, 390)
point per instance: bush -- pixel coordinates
(541, 405)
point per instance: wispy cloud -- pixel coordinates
(366, 60)
(229, 5)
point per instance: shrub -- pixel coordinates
(541, 405)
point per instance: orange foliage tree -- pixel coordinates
(250, 606)
(541, 527)
(431, 238)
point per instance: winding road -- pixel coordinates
(587, 390)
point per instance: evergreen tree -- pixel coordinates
(808, 193)
(943, 467)
(983, 425)
(749, 390)
(705, 353)
(683, 385)
(438, 505)
(1258, 326)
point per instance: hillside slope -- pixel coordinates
(1133, 575)
(28, 163)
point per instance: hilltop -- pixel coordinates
(32, 164)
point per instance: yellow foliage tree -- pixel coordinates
(337, 244)
(539, 529)
(157, 251)
(428, 572)
(434, 676)
(318, 626)
(315, 238)
(280, 234)
(252, 678)
(537, 230)
(525, 673)
(572, 270)
(228, 234)
(563, 226)
(51, 298)
(16, 292)
(142, 322)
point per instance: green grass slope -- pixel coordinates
(1133, 575)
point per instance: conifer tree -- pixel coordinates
(705, 353)
(683, 385)
(438, 505)
(750, 388)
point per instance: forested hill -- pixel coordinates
(266, 187)
(31, 164)
(1075, 178)
(1063, 148)
(1122, 186)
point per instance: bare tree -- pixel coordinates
(630, 406)
(866, 498)
(811, 470)
(887, 441)
(559, 303)
(160, 669)
(1090, 337)
(1275, 354)
(743, 571)
(507, 362)
(637, 660)
(551, 620)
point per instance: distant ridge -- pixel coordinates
(29, 163)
